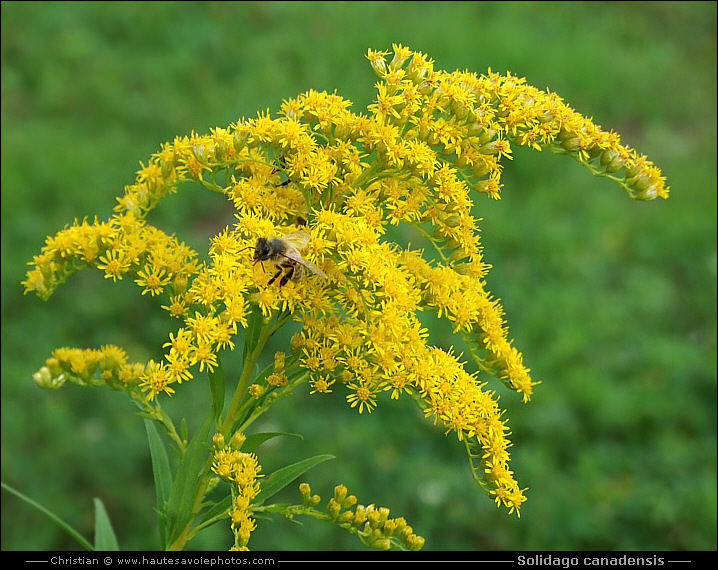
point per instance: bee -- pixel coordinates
(284, 252)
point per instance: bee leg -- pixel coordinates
(287, 276)
(273, 279)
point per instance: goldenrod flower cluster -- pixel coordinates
(241, 470)
(416, 159)
(108, 366)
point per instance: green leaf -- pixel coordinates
(62, 524)
(182, 494)
(256, 439)
(284, 476)
(251, 333)
(216, 387)
(105, 538)
(162, 474)
(218, 508)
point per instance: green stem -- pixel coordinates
(156, 413)
(249, 363)
(209, 522)
(432, 241)
(477, 359)
(277, 395)
(365, 176)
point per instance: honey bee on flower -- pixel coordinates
(285, 253)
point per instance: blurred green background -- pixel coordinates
(612, 302)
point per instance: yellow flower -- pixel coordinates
(363, 396)
(204, 355)
(156, 379)
(178, 306)
(181, 342)
(321, 385)
(178, 366)
(398, 383)
(267, 300)
(152, 279)
(236, 311)
(115, 264)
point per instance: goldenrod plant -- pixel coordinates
(317, 189)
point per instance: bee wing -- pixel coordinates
(313, 268)
(299, 239)
(294, 255)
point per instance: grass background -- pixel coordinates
(612, 302)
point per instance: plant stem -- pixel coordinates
(266, 330)
(247, 369)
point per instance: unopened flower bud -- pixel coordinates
(45, 379)
(256, 391)
(374, 518)
(240, 138)
(340, 491)
(612, 161)
(166, 168)
(415, 542)
(349, 502)
(359, 515)
(220, 149)
(378, 63)
(199, 153)
(571, 144)
(279, 360)
(238, 440)
(333, 508)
